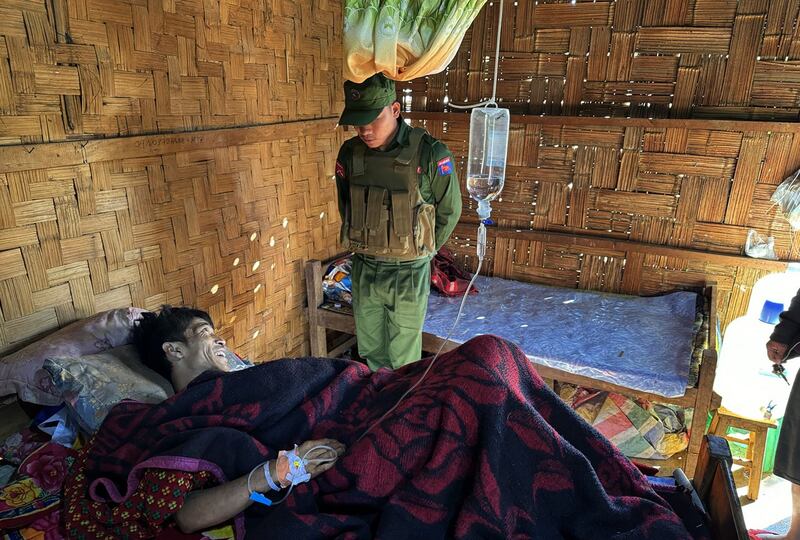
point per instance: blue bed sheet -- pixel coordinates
(643, 343)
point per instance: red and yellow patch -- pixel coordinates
(445, 166)
(339, 169)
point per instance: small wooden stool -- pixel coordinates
(755, 441)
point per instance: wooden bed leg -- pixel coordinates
(714, 484)
(317, 335)
(702, 404)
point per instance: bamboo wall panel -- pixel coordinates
(689, 184)
(618, 266)
(629, 58)
(693, 185)
(223, 220)
(104, 68)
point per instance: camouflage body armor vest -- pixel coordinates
(386, 214)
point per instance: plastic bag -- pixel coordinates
(236, 362)
(787, 196)
(61, 427)
(758, 248)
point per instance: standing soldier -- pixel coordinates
(399, 200)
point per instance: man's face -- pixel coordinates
(378, 133)
(204, 346)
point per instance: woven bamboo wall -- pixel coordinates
(222, 220)
(103, 68)
(638, 58)
(620, 266)
(695, 185)
(218, 218)
(692, 184)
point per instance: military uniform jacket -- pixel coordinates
(438, 182)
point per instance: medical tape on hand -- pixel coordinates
(297, 468)
(268, 477)
(297, 465)
(297, 473)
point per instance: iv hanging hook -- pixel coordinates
(491, 102)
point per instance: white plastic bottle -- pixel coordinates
(744, 375)
(779, 288)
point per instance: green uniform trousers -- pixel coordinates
(390, 299)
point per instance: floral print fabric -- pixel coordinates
(35, 490)
(403, 39)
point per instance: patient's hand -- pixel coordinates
(208, 507)
(314, 466)
(318, 467)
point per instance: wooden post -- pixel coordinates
(705, 386)
(317, 335)
(705, 389)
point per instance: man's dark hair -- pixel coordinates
(153, 330)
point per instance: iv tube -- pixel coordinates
(486, 165)
(491, 156)
(481, 252)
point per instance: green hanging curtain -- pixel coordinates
(403, 39)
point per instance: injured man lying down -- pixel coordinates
(482, 448)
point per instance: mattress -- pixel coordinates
(643, 343)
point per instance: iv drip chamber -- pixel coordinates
(488, 146)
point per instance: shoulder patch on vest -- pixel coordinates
(339, 169)
(445, 166)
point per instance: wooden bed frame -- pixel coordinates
(700, 397)
(714, 484)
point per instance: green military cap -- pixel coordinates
(363, 102)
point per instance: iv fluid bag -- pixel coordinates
(488, 144)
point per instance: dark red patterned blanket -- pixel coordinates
(481, 449)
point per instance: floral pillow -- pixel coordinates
(36, 490)
(90, 385)
(21, 371)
